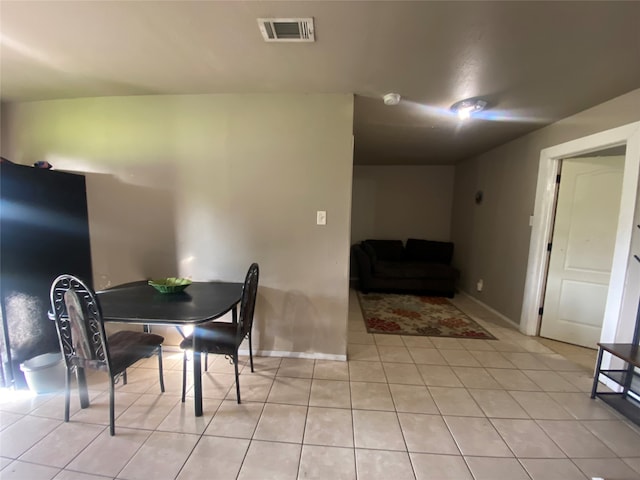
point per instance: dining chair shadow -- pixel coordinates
(84, 342)
(224, 338)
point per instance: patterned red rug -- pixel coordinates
(417, 315)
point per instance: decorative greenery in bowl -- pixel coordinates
(170, 284)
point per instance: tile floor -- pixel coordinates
(400, 408)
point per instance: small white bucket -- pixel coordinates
(44, 373)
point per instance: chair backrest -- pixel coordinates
(79, 323)
(248, 302)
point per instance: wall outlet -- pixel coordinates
(480, 285)
(321, 217)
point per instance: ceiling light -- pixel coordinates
(466, 108)
(391, 99)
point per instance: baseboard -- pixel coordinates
(276, 353)
(492, 310)
(284, 354)
(171, 348)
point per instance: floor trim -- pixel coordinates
(284, 354)
(276, 353)
(495, 312)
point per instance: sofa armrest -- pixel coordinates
(364, 263)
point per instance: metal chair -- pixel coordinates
(224, 338)
(84, 343)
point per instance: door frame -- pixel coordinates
(622, 298)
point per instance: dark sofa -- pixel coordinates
(422, 266)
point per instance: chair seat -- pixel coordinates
(127, 347)
(214, 337)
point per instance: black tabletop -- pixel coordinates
(138, 302)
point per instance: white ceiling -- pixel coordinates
(535, 62)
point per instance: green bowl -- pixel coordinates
(170, 284)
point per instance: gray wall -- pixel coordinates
(398, 202)
(203, 185)
(492, 239)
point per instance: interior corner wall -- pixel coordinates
(203, 185)
(492, 239)
(400, 202)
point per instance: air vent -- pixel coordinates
(287, 29)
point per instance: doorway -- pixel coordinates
(624, 285)
(583, 243)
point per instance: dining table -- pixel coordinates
(202, 302)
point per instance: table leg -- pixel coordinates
(197, 383)
(596, 377)
(628, 379)
(82, 387)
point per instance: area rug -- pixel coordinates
(417, 315)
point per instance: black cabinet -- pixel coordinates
(44, 231)
(627, 401)
(627, 378)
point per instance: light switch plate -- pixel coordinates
(321, 217)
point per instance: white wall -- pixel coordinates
(400, 202)
(203, 185)
(492, 239)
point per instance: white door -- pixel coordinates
(584, 237)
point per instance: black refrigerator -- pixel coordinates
(44, 232)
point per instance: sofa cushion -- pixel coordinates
(385, 250)
(370, 251)
(414, 270)
(429, 251)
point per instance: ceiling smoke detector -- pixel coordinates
(287, 29)
(465, 108)
(391, 99)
